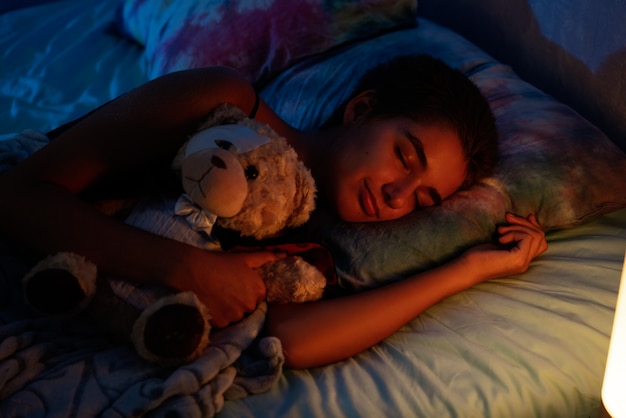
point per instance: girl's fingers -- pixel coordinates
(533, 243)
(526, 233)
(521, 230)
(532, 219)
(515, 222)
(512, 218)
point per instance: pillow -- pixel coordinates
(553, 163)
(259, 38)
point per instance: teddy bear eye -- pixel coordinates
(226, 145)
(251, 172)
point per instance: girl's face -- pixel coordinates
(384, 169)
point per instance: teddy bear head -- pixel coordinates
(242, 173)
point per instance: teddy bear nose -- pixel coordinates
(218, 162)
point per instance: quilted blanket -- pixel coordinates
(51, 367)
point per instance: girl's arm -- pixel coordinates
(129, 137)
(322, 332)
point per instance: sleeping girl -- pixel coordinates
(413, 132)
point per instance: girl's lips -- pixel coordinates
(368, 201)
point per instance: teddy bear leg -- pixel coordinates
(173, 326)
(173, 329)
(111, 313)
(62, 284)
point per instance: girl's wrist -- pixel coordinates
(469, 268)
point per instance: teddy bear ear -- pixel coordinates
(304, 199)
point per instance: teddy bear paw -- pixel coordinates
(174, 329)
(292, 279)
(60, 285)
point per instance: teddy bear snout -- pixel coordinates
(220, 187)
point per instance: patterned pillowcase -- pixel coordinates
(553, 163)
(258, 38)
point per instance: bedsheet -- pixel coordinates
(524, 346)
(61, 59)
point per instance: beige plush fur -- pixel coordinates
(283, 194)
(279, 195)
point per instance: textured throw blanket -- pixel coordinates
(66, 368)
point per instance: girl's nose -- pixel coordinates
(401, 193)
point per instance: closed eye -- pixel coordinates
(436, 197)
(402, 159)
(419, 149)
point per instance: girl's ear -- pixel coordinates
(359, 107)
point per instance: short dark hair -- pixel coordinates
(426, 89)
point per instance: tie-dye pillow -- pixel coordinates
(258, 38)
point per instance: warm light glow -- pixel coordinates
(614, 385)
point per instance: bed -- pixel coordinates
(532, 345)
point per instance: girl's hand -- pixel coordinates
(521, 240)
(226, 283)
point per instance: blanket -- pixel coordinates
(53, 367)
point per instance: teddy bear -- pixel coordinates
(236, 174)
